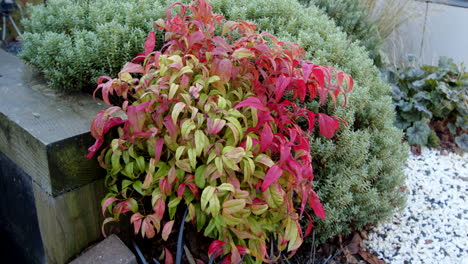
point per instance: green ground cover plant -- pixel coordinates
(431, 94)
(358, 173)
(206, 126)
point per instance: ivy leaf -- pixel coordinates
(418, 133)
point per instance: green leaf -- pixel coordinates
(418, 133)
(138, 186)
(178, 107)
(219, 164)
(173, 90)
(162, 171)
(200, 176)
(184, 164)
(115, 160)
(201, 218)
(206, 196)
(199, 141)
(462, 141)
(187, 126)
(209, 229)
(180, 150)
(172, 206)
(140, 161)
(214, 207)
(226, 187)
(126, 183)
(192, 155)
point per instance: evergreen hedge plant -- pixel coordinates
(75, 42)
(353, 18)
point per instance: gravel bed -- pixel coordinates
(433, 228)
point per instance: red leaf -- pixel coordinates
(214, 126)
(136, 221)
(252, 102)
(327, 125)
(349, 81)
(99, 127)
(158, 149)
(216, 248)
(193, 188)
(271, 176)
(106, 204)
(169, 258)
(311, 120)
(242, 249)
(224, 70)
(159, 208)
(315, 204)
(131, 67)
(194, 38)
(165, 186)
(136, 116)
(180, 190)
(319, 76)
(150, 43)
(309, 225)
(266, 137)
(167, 230)
(281, 84)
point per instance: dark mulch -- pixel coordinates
(339, 250)
(12, 46)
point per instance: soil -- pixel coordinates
(446, 139)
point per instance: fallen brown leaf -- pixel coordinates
(363, 234)
(355, 244)
(370, 258)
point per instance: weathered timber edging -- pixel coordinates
(43, 138)
(49, 132)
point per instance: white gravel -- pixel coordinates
(433, 228)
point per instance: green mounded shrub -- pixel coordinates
(75, 42)
(358, 173)
(353, 18)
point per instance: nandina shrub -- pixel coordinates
(358, 172)
(203, 124)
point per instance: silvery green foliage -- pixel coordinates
(359, 171)
(353, 18)
(74, 42)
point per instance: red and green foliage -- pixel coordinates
(203, 122)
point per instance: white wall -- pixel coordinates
(445, 34)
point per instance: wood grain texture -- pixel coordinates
(69, 222)
(46, 133)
